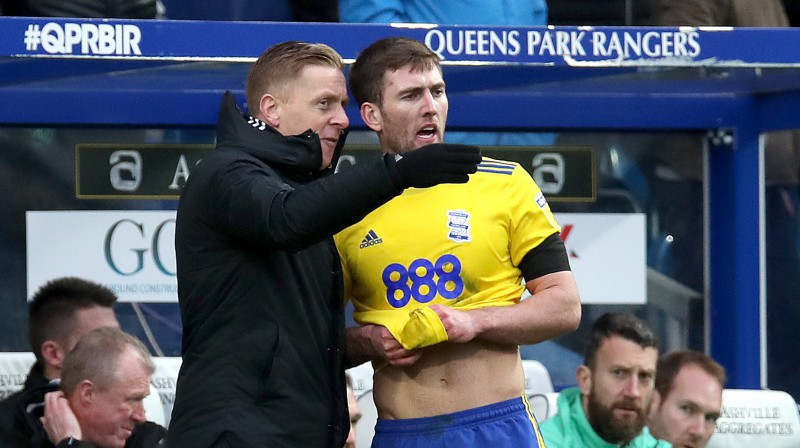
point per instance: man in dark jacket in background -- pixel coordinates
(60, 313)
(99, 401)
(259, 279)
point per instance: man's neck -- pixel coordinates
(52, 373)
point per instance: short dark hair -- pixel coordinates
(624, 325)
(389, 54)
(51, 312)
(670, 364)
(96, 358)
(281, 63)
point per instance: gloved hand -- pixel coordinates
(433, 164)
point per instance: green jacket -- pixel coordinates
(569, 428)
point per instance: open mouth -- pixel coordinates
(427, 132)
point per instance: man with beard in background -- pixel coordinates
(615, 384)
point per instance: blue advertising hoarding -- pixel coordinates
(244, 41)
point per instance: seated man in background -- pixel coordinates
(354, 411)
(99, 402)
(615, 385)
(687, 400)
(61, 312)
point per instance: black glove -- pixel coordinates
(433, 164)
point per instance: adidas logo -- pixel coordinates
(370, 239)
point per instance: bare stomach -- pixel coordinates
(449, 378)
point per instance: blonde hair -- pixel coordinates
(281, 63)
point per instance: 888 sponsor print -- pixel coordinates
(422, 280)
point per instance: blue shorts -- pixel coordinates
(507, 424)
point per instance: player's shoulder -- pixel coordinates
(493, 166)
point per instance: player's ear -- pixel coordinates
(87, 393)
(372, 117)
(53, 353)
(270, 110)
(584, 377)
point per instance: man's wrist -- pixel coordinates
(359, 345)
(483, 321)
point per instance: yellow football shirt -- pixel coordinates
(454, 244)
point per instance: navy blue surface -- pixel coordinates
(565, 46)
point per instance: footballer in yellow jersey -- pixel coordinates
(458, 245)
(446, 263)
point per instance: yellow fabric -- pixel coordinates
(423, 328)
(458, 245)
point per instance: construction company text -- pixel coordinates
(564, 43)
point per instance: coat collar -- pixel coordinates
(300, 155)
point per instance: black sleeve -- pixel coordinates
(146, 435)
(257, 206)
(546, 258)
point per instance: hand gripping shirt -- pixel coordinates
(458, 245)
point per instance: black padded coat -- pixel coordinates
(260, 289)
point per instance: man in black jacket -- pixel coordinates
(259, 279)
(60, 312)
(98, 402)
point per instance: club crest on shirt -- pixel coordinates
(458, 226)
